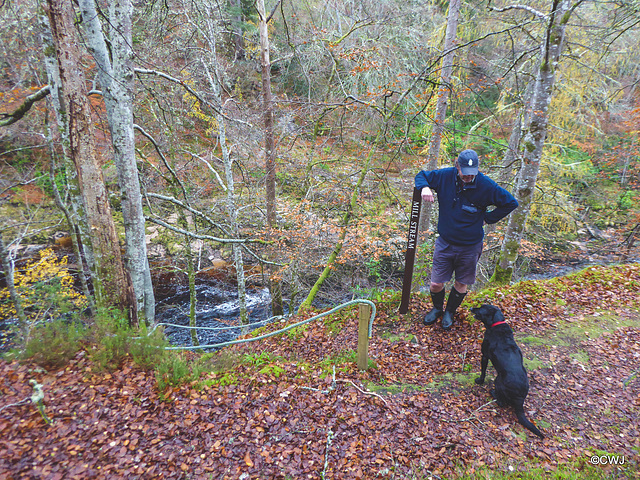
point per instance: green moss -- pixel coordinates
(534, 363)
(548, 340)
(335, 323)
(466, 379)
(297, 332)
(533, 469)
(272, 370)
(399, 337)
(592, 327)
(393, 389)
(580, 357)
(341, 360)
(501, 276)
(531, 340)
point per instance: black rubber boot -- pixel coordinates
(453, 302)
(438, 306)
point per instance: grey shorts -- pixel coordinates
(459, 259)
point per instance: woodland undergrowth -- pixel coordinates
(295, 405)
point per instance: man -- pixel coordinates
(464, 195)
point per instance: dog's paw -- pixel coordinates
(479, 381)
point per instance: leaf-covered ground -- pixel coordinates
(295, 406)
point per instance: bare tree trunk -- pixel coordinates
(534, 133)
(232, 210)
(112, 285)
(275, 286)
(76, 220)
(267, 105)
(7, 267)
(433, 153)
(116, 80)
(239, 36)
(73, 229)
(233, 217)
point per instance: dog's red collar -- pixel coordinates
(498, 323)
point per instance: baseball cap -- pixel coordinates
(468, 162)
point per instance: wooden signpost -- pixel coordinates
(410, 255)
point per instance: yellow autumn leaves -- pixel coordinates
(44, 284)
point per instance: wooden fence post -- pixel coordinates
(364, 315)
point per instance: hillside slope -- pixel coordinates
(295, 406)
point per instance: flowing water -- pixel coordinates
(217, 307)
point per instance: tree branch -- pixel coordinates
(190, 90)
(164, 159)
(243, 242)
(213, 170)
(273, 11)
(177, 202)
(181, 231)
(21, 111)
(520, 7)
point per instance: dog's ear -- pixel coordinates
(498, 316)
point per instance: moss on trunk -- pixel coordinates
(501, 276)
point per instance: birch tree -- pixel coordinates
(214, 78)
(275, 285)
(433, 152)
(6, 262)
(115, 74)
(267, 105)
(110, 280)
(534, 131)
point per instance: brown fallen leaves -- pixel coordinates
(427, 417)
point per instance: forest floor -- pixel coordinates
(295, 405)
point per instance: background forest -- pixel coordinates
(261, 152)
(160, 160)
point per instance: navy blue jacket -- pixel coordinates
(463, 209)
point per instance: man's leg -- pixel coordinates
(456, 296)
(441, 272)
(465, 274)
(437, 297)
(461, 287)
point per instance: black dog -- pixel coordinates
(511, 384)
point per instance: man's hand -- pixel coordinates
(427, 195)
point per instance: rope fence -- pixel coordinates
(265, 322)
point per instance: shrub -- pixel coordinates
(53, 344)
(148, 351)
(175, 369)
(114, 342)
(52, 333)
(45, 286)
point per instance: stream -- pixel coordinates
(217, 307)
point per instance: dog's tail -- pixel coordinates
(526, 423)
